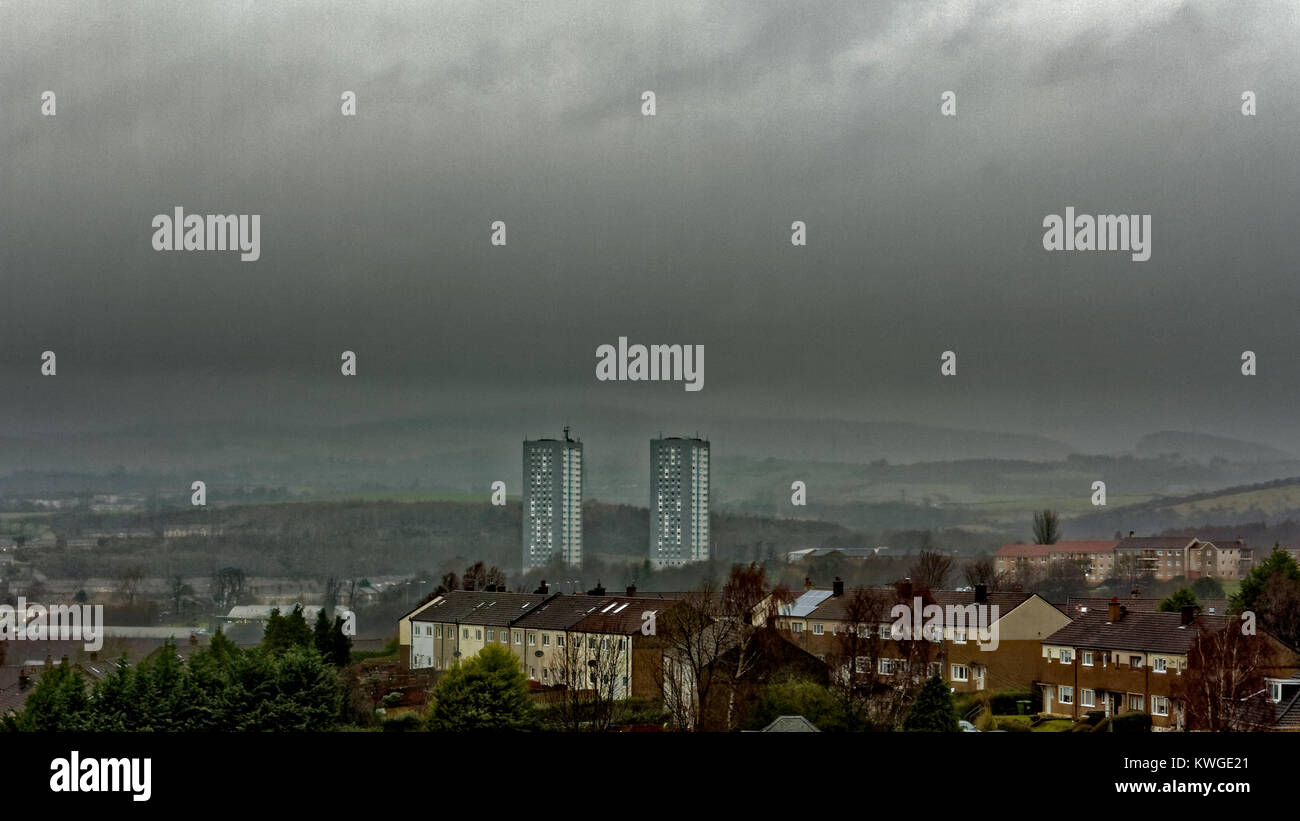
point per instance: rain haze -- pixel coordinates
(925, 232)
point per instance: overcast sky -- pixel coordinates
(924, 231)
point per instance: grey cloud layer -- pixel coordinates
(924, 231)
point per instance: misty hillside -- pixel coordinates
(1204, 447)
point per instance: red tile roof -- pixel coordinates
(1018, 550)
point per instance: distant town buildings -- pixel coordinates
(679, 501)
(552, 512)
(1096, 558)
(1164, 558)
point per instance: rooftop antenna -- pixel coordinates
(566, 434)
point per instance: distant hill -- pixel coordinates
(1204, 447)
(1267, 502)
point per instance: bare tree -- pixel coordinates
(1047, 527)
(330, 586)
(1278, 605)
(479, 576)
(858, 645)
(1223, 687)
(692, 638)
(931, 570)
(588, 673)
(179, 590)
(984, 571)
(228, 587)
(129, 580)
(748, 604)
(1063, 580)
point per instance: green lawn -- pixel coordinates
(1051, 725)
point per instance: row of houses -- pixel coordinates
(1164, 558)
(592, 640)
(1088, 655)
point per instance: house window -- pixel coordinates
(960, 672)
(1085, 658)
(1066, 695)
(519, 637)
(604, 642)
(818, 630)
(505, 637)
(559, 640)
(478, 634)
(1088, 698)
(591, 642)
(1135, 662)
(546, 674)
(934, 668)
(464, 633)
(1160, 665)
(438, 632)
(532, 639)
(546, 639)
(1135, 701)
(959, 636)
(886, 667)
(1159, 706)
(622, 644)
(492, 635)
(886, 632)
(1275, 690)
(1067, 656)
(797, 627)
(860, 664)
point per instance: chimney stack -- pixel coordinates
(542, 588)
(1115, 610)
(981, 593)
(807, 583)
(1130, 534)
(1136, 593)
(631, 591)
(598, 590)
(837, 587)
(905, 589)
(1189, 614)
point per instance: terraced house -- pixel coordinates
(1119, 661)
(836, 625)
(560, 640)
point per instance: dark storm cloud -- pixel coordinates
(924, 231)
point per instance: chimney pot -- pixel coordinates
(1114, 611)
(981, 593)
